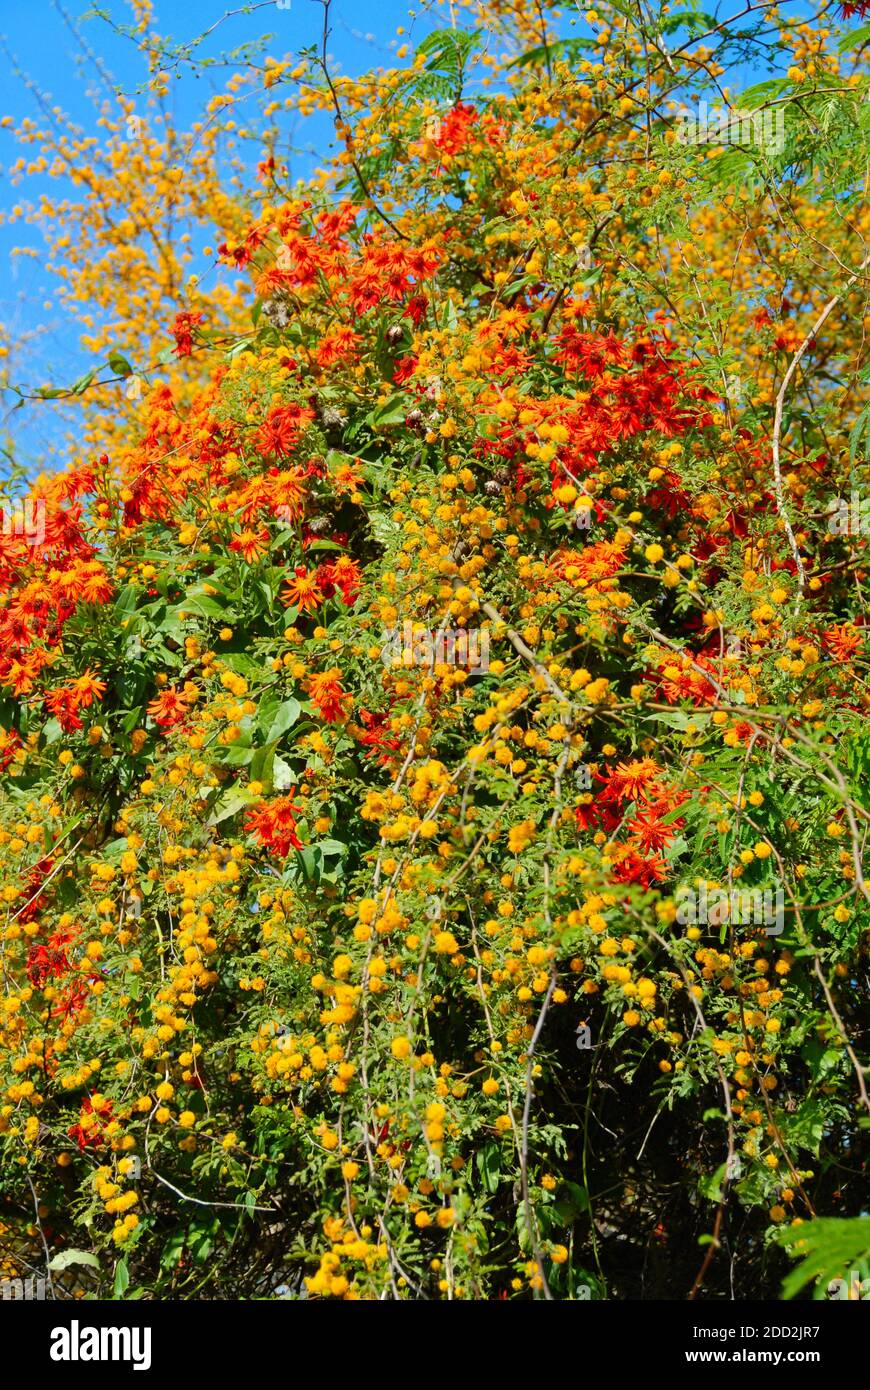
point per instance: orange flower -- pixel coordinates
(843, 642)
(287, 494)
(327, 694)
(632, 780)
(251, 544)
(302, 590)
(281, 429)
(182, 332)
(87, 688)
(274, 823)
(169, 707)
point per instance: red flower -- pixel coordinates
(404, 369)
(282, 427)
(32, 885)
(70, 1003)
(375, 735)
(415, 308)
(46, 962)
(66, 701)
(241, 255)
(274, 824)
(182, 332)
(327, 694)
(589, 353)
(631, 867)
(10, 740)
(631, 781)
(169, 708)
(342, 574)
(93, 1118)
(454, 132)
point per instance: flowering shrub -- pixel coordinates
(335, 968)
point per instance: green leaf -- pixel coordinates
(232, 801)
(73, 1257)
(488, 1160)
(859, 435)
(383, 528)
(755, 96)
(119, 364)
(536, 57)
(806, 1127)
(262, 764)
(285, 716)
(200, 604)
(83, 383)
(238, 754)
(710, 1184)
(829, 1246)
(122, 1279)
(307, 861)
(392, 412)
(691, 20)
(244, 666)
(331, 847)
(243, 345)
(850, 41)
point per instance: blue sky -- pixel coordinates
(38, 38)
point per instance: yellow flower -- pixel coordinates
(445, 943)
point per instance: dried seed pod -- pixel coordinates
(332, 419)
(278, 312)
(319, 525)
